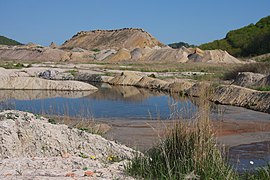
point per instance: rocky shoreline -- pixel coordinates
(222, 94)
(78, 80)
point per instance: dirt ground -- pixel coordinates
(236, 126)
(142, 135)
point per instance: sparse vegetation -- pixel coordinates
(260, 67)
(82, 155)
(112, 158)
(96, 50)
(52, 121)
(174, 67)
(188, 152)
(72, 72)
(263, 59)
(91, 130)
(15, 65)
(266, 88)
(152, 75)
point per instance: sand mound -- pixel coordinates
(34, 136)
(219, 56)
(126, 78)
(151, 83)
(122, 55)
(166, 54)
(129, 38)
(33, 53)
(179, 85)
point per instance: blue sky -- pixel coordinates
(192, 21)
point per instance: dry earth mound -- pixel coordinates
(129, 38)
(127, 44)
(212, 56)
(165, 54)
(126, 78)
(244, 97)
(32, 147)
(33, 52)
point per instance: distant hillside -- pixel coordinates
(128, 38)
(248, 41)
(6, 41)
(180, 44)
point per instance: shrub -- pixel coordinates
(52, 121)
(96, 50)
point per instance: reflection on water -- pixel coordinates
(249, 156)
(117, 102)
(39, 94)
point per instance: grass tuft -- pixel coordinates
(188, 152)
(260, 174)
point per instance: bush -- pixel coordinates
(96, 50)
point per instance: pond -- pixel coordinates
(112, 102)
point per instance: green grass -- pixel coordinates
(266, 88)
(14, 65)
(263, 59)
(91, 130)
(171, 67)
(96, 50)
(260, 174)
(207, 77)
(82, 155)
(72, 72)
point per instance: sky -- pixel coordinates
(191, 21)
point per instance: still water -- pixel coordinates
(108, 102)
